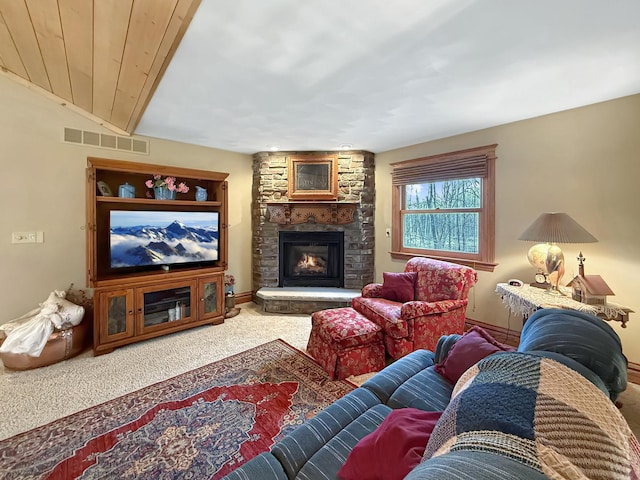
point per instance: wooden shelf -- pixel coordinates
(302, 203)
(153, 201)
(138, 279)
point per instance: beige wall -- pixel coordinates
(585, 162)
(43, 189)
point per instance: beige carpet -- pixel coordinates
(36, 397)
(630, 400)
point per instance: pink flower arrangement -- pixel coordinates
(229, 280)
(168, 182)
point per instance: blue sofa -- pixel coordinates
(318, 448)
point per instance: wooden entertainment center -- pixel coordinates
(141, 302)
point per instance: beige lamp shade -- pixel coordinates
(556, 228)
(553, 228)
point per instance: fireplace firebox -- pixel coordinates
(311, 259)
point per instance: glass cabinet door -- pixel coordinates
(210, 296)
(117, 307)
(160, 306)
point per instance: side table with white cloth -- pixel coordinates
(526, 299)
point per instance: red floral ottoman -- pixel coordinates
(345, 343)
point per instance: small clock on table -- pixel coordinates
(541, 281)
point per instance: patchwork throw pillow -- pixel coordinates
(393, 449)
(399, 287)
(472, 347)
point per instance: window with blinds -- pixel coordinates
(443, 207)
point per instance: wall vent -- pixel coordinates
(102, 140)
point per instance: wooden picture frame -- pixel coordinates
(313, 177)
(104, 189)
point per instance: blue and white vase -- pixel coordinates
(201, 194)
(163, 193)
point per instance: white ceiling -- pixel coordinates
(378, 75)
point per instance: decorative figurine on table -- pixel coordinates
(590, 289)
(229, 297)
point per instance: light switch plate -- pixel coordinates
(27, 237)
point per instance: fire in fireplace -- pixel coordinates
(311, 259)
(310, 264)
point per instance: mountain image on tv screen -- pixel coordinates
(142, 238)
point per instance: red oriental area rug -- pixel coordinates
(199, 425)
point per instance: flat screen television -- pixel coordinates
(140, 239)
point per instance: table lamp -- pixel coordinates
(549, 229)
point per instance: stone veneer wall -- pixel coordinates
(356, 184)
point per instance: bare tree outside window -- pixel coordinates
(438, 223)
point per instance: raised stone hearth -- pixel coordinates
(352, 213)
(304, 299)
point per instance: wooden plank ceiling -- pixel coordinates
(106, 57)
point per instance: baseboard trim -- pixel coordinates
(501, 334)
(633, 372)
(512, 337)
(244, 297)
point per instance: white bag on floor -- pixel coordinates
(29, 333)
(30, 337)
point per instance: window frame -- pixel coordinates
(484, 259)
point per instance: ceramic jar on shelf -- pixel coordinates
(201, 194)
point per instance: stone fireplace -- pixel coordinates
(275, 217)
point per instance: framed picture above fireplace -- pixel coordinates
(313, 177)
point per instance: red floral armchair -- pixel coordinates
(438, 308)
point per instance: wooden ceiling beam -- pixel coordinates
(147, 27)
(180, 20)
(62, 102)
